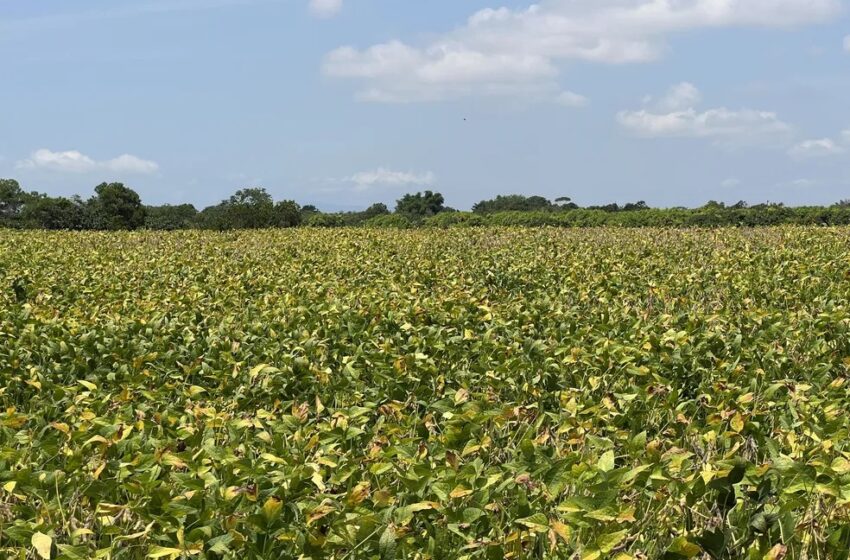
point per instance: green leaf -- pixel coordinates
(387, 543)
(610, 541)
(713, 543)
(684, 548)
(220, 545)
(68, 552)
(470, 515)
(537, 523)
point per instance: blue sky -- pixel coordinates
(341, 103)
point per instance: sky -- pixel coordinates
(342, 103)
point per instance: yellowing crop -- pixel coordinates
(480, 394)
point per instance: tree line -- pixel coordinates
(114, 206)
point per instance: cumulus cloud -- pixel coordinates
(388, 177)
(73, 161)
(521, 51)
(847, 44)
(822, 147)
(325, 8)
(673, 117)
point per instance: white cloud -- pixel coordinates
(520, 51)
(680, 96)
(730, 182)
(571, 99)
(798, 184)
(56, 19)
(325, 8)
(387, 177)
(672, 118)
(815, 148)
(847, 44)
(73, 161)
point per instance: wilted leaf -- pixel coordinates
(42, 544)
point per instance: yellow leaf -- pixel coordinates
(460, 492)
(81, 532)
(42, 544)
(317, 480)
(87, 384)
(231, 492)
(272, 459)
(172, 460)
(318, 513)
(194, 391)
(134, 536)
(737, 422)
(841, 465)
(778, 552)
(10, 486)
(272, 507)
(255, 371)
(359, 493)
(62, 427)
(561, 530)
(162, 552)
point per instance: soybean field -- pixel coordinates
(480, 393)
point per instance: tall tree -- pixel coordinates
(12, 200)
(115, 207)
(251, 208)
(287, 214)
(55, 213)
(420, 205)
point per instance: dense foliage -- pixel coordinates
(425, 394)
(117, 207)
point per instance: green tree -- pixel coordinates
(287, 214)
(115, 207)
(325, 221)
(420, 205)
(377, 209)
(512, 202)
(55, 213)
(168, 217)
(12, 201)
(308, 210)
(251, 208)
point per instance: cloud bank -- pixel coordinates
(507, 51)
(675, 115)
(73, 161)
